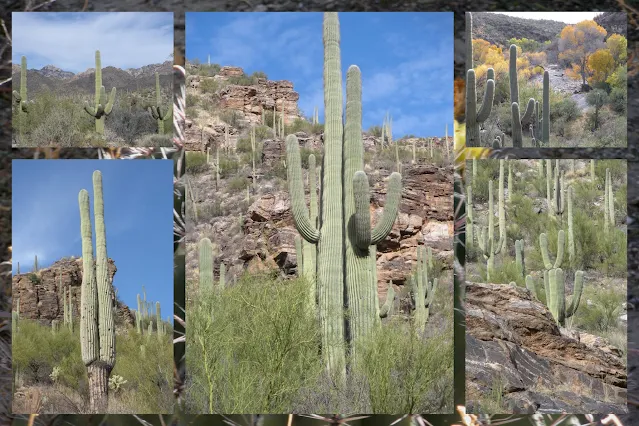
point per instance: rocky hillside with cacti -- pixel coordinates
(546, 286)
(237, 177)
(51, 294)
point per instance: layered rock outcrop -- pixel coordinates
(41, 293)
(513, 346)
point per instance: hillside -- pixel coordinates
(60, 81)
(497, 28)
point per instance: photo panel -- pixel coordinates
(92, 328)
(92, 79)
(546, 79)
(319, 213)
(546, 286)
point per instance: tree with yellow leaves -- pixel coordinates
(618, 47)
(600, 64)
(576, 43)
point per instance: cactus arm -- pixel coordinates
(487, 104)
(303, 223)
(576, 294)
(391, 208)
(388, 304)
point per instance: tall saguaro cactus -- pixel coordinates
(21, 100)
(556, 298)
(343, 235)
(517, 121)
(487, 242)
(97, 327)
(474, 118)
(102, 105)
(423, 289)
(158, 112)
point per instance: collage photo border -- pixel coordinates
(176, 154)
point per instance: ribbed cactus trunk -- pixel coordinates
(206, 265)
(545, 121)
(517, 120)
(571, 234)
(97, 328)
(502, 208)
(470, 238)
(22, 103)
(102, 105)
(309, 250)
(158, 112)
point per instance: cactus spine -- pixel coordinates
(345, 210)
(159, 113)
(102, 105)
(557, 300)
(21, 100)
(517, 122)
(97, 330)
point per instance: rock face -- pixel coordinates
(514, 345)
(41, 293)
(267, 237)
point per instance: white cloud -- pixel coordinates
(69, 40)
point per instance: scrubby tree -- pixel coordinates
(618, 47)
(576, 43)
(597, 99)
(600, 64)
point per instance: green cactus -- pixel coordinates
(532, 287)
(158, 321)
(423, 290)
(557, 300)
(138, 316)
(345, 212)
(517, 120)
(97, 329)
(487, 242)
(253, 153)
(470, 236)
(571, 233)
(15, 317)
(387, 308)
(609, 203)
(55, 325)
(206, 265)
(558, 203)
(545, 120)
(158, 112)
(519, 257)
(474, 118)
(21, 101)
(502, 208)
(543, 244)
(222, 283)
(102, 105)
(35, 264)
(309, 249)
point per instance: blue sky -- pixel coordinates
(406, 59)
(138, 212)
(69, 40)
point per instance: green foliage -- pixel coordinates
(149, 380)
(237, 183)
(603, 311)
(265, 369)
(232, 118)
(196, 162)
(404, 372)
(564, 108)
(619, 100)
(209, 86)
(527, 45)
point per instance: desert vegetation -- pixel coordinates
(71, 366)
(69, 118)
(567, 91)
(278, 338)
(556, 228)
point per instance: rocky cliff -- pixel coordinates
(40, 293)
(516, 350)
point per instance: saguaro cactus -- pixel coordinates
(474, 118)
(206, 265)
(345, 211)
(470, 241)
(571, 233)
(158, 112)
(97, 328)
(517, 121)
(15, 317)
(609, 203)
(387, 308)
(487, 242)
(556, 298)
(423, 290)
(519, 257)
(102, 105)
(21, 100)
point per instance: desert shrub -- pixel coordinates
(619, 100)
(196, 162)
(209, 85)
(238, 183)
(599, 309)
(232, 118)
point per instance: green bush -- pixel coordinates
(619, 100)
(196, 162)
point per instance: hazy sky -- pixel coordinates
(566, 17)
(69, 40)
(406, 59)
(138, 214)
